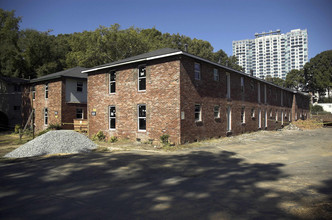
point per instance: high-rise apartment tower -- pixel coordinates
(272, 54)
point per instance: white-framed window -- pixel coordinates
(112, 76)
(259, 118)
(253, 113)
(282, 117)
(216, 111)
(33, 90)
(242, 84)
(46, 91)
(112, 117)
(215, 75)
(141, 117)
(265, 95)
(271, 113)
(198, 112)
(79, 113)
(265, 120)
(276, 115)
(243, 115)
(228, 86)
(79, 86)
(45, 116)
(197, 71)
(229, 118)
(259, 92)
(141, 78)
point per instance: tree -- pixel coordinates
(10, 56)
(295, 80)
(275, 80)
(318, 73)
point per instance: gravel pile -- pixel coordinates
(54, 142)
(292, 127)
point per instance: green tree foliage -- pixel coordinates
(31, 53)
(10, 56)
(318, 73)
(275, 80)
(295, 80)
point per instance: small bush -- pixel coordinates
(54, 127)
(99, 136)
(43, 132)
(17, 128)
(113, 139)
(164, 138)
(317, 108)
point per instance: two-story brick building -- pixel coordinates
(11, 105)
(59, 98)
(172, 92)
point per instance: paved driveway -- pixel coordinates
(264, 175)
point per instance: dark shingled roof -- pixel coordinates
(75, 72)
(160, 52)
(13, 80)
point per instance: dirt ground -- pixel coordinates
(262, 175)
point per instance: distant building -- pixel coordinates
(272, 54)
(11, 101)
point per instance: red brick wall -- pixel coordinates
(53, 103)
(210, 93)
(56, 102)
(162, 99)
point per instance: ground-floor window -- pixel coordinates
(112, 117)
(265, 120)
(259, 118)
(276, 115)
(79, 113)
(282, 117)
(45, 116)
(229, 118)
(198, 112)
(243, 115)
(216, 111)
(142, 117)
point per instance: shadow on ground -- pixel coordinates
(197, 185)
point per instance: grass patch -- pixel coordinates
(10, 141)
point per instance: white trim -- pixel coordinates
(138, 118)
(111, 117)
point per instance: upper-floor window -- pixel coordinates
(259, 92)
(242, 84)
(228, 86)
(79, 113)
(265, 95)
(46, 90)
(197, 71)
(142, 78)
(112, 81)
(112, 117)
(215, 75)
(79, 86)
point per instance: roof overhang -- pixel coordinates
(133, 61)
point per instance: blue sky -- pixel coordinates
(217, 21)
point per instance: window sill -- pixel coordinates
(217, 120)
(142, 131)
(199, 123)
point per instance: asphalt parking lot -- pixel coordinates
(262, 175)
